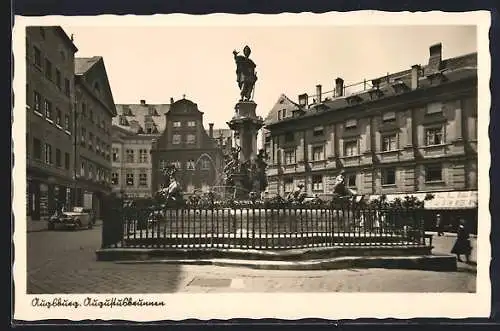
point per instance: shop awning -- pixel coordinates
(453, 200)
(441, 200)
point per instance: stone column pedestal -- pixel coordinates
(247, 124)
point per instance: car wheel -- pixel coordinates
(78, 224)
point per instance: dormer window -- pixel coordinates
(127, 111)
(123, 121)
(351, 124)
(152, 111)
(399, 86)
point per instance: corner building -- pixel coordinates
(50, 55)
(414, 131)
(95, 109)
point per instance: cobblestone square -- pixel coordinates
(64, 262)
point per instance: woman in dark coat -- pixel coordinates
(462, 244)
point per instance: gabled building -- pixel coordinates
(50, 55)
(185, 143)
(95, 109)
(413, 131)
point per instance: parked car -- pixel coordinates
(75, 219)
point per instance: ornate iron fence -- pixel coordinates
(261, 227)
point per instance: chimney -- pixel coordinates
(415, 71)
(211, 130)
(339, 87)
(318, 93)
(171, 100)
(303, 100)
(435, 54)
(143, 102)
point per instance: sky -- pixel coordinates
(157, 63)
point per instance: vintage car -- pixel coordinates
(75, 219)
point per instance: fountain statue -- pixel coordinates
(245, 169)
(245, 73)
(171, 190)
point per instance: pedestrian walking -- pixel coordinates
(439, 225)
(462, 245)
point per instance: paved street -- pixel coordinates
(64, 262)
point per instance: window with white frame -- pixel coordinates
(177, 164)
(114, 178)
(37, 102)
(205, 164)
(389, 142)
(82, 169)
(389, 176)
(434, 136)
(143, 179)
(116, 155)
(434, 172)
(163, 164)
(67, 123)
(350, 148)
(317, 183)
(318, 153)
(48, 154)
(191, 124)
(176, 124)
(176, 139)
(129, 179)
(434, 108)
(48, 109)
(190, 165)
(289, 156)
(143, 156)
(288, 184)
(129, 155)
(91, 171)
(190, 138)
(58, 116)
(350, 180)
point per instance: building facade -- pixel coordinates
(134, 130)
(50, 131)
(95, 109)
(185, 143)
(407, 132)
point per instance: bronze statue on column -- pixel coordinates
(245, 74)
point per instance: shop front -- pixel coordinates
(451, 206)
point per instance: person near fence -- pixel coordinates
(462, 244)
(439, 225)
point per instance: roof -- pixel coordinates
(134, 117)
(454, 69)
(67, 39)
(83, 64)
(283, 102)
